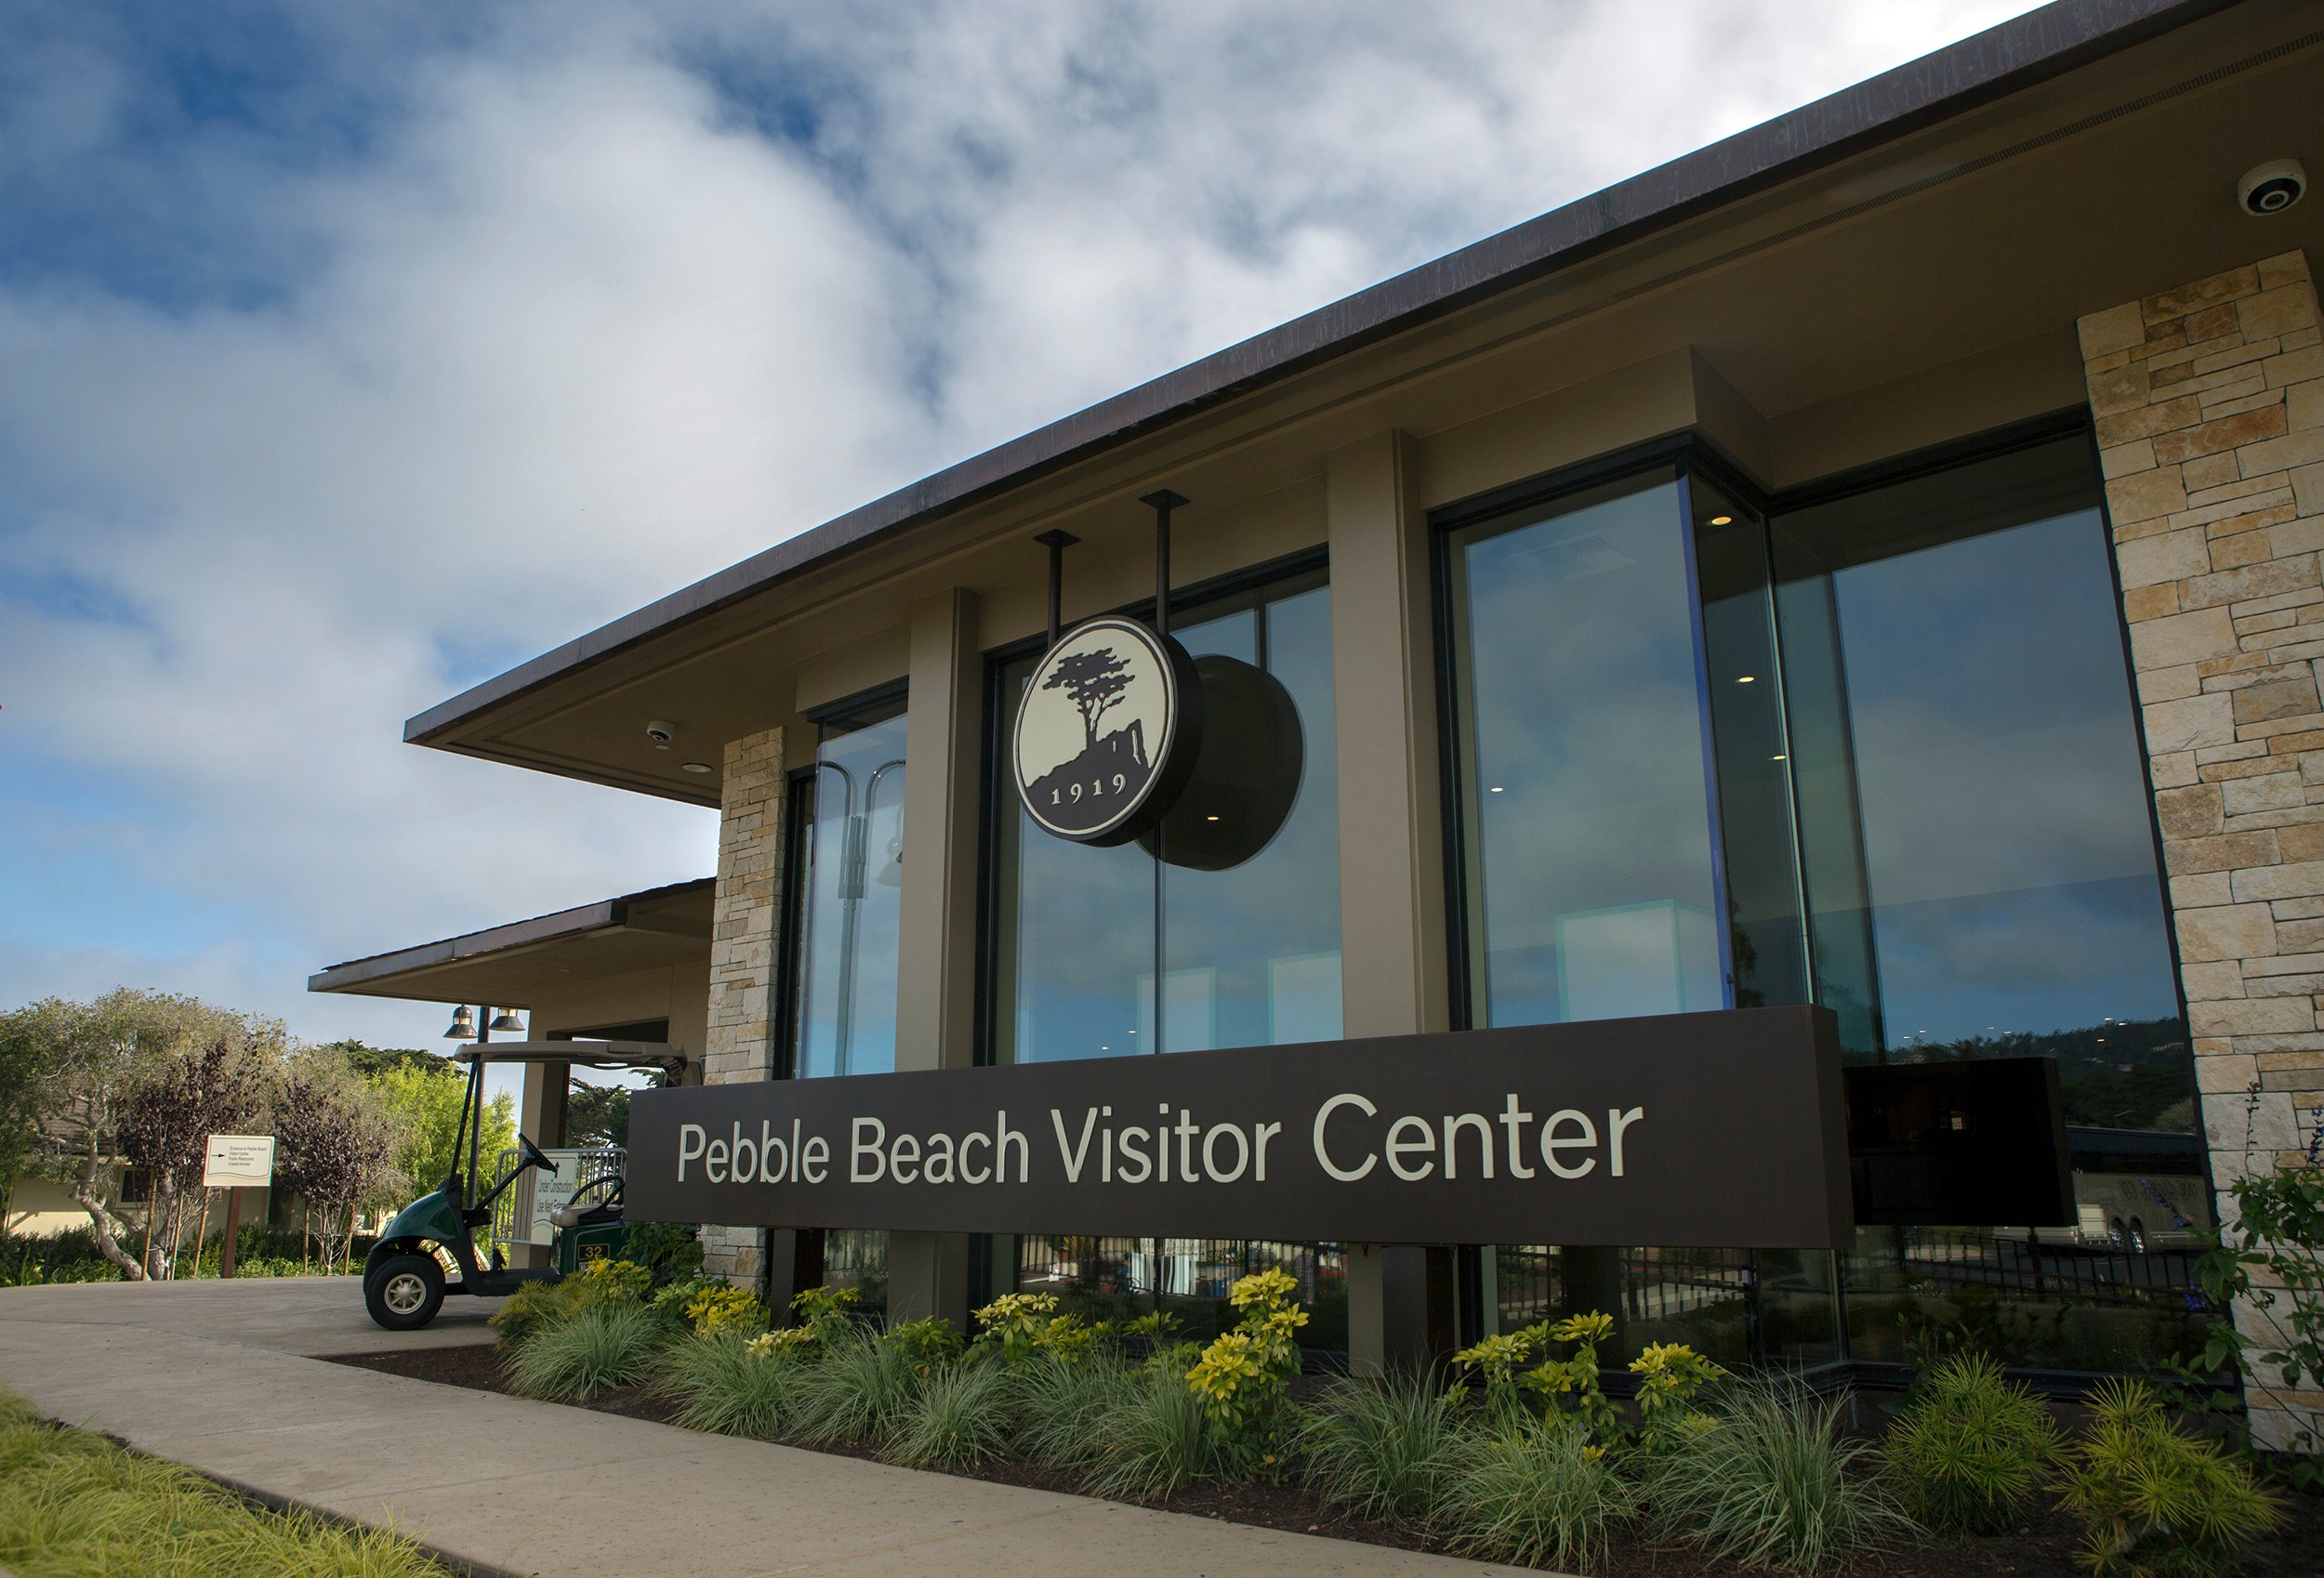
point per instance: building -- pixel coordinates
(1868, 561)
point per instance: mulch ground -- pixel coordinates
(2045, 1548)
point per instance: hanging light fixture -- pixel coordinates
(506, 1021)
(463, 1025)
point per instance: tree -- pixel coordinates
(94, 1054)
(168, 1114)
(597, 1115)
(334, 1144)
(1093, 681)
(29, 1064)
(423, 1095)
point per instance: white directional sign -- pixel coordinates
(239, 1160)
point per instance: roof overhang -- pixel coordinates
(1876, 185)
(509, 966)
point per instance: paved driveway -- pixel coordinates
(301, 1315)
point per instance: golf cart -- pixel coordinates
(404, 1274)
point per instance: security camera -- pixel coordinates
(661, 734)
(2273, 187)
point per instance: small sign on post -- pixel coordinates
(233, 1162)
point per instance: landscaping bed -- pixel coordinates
(2044, 1550)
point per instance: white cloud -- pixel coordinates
(567, 328)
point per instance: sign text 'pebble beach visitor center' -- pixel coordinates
(1745, 753)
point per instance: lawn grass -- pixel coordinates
(73, 1504)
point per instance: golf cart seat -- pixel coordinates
(586, 1214)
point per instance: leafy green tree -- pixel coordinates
(167, 1116)
(424, 1093)
(29, 1064)
(597, 1115)
(93, 1056)
(336, 1141)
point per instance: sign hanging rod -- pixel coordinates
(1162, 502)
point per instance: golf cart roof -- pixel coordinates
(588, 1053)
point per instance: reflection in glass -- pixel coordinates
(852, 889)
(1981, 870)
(1247, 956)
(1587, 848)
(1121, 1279)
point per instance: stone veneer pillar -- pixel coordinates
(740, 1039)
(2210, 407)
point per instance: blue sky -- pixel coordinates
(351, 353)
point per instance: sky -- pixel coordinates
(352, 354)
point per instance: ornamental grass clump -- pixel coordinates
(1068, 1415)
(1769, 1481)
(596, 1349)
(960, 1418)
(726, 1382)
(1160, 1439)
(2154, 1501)
(1972, 1448)
(854, 1389)
(1382, 1449)
(1546, 1498)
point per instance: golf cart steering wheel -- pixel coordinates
(534, 1155)
(610, 1183)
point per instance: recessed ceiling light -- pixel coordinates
(1776, 757)
(1210, 818)
(693, 767)
(1497, 788)
(1723, 521)
(1745, 679)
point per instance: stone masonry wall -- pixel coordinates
(2210, 407)
(742, 952)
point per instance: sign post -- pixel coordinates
(233, 1162)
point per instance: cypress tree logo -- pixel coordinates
(1107, 731)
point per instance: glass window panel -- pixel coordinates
(1247, 956)
(851, 905)
(1586, 825)
(1981, 866)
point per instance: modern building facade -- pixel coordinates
(1872, 562)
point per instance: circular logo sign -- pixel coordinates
(1107, 731)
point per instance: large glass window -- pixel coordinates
(846, 862)
(1956, 637)
(849, 879)
(1107, 952)
(1101, 953)
(1887, 739)
(1585, 806)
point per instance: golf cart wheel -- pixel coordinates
(404, 1291)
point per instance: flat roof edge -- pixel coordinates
(2013, 56)
(605, 912)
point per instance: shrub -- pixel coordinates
(927, 1345)
(1019, 1325)
(1670, 1373)
(612, 1281)
(534, 1307)
(1670, 1376)
(1769, 1483)
(854, 1388)
(2156, 1502)
(1158, 1440)
(598, 1347)
(724, 1383)
(1970, 1448)
(671, 1252)
(1382, 1450)
(1241, 1377)
(960, 1418)
(719, 1306)
(1547, 1499)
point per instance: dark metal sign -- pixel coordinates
(1107, 731)
(1717, 1130)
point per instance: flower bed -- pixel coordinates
(1522, 1459)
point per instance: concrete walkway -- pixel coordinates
(216, 1375)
